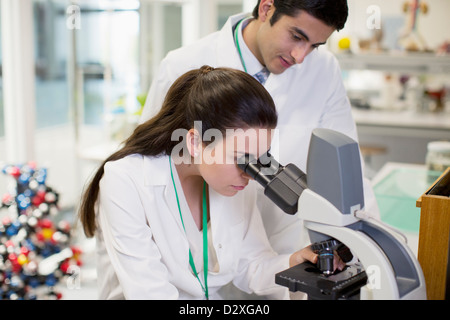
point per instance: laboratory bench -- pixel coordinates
(404, 119)
(396, 133)
(397, 186)
(399, 135)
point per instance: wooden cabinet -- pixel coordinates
(434, 234)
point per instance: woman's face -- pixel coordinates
(219, 159)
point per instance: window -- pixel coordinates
(89, 90)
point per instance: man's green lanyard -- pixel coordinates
(236, 39)
(205, 235)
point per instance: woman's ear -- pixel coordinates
(193, 143)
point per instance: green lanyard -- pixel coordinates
(236, 39)
(205, 236)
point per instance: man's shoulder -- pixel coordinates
(209, 49)
(198, 50)
(321, 62)
(323, 57)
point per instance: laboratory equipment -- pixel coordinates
(330, 201)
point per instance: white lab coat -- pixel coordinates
(307, 96)
(143, 250)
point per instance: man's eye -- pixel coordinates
(296, 37)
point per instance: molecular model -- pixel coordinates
(35, 251)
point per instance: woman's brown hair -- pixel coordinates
(220, 98)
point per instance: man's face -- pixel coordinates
(289, 40)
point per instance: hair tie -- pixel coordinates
(206, 69)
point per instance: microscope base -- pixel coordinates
(307, 278)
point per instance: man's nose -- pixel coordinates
(299, 53)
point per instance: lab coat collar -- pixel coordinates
(227, 54)
(156, 170)
(157, 174)
(251, 62)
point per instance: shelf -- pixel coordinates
(409, 63)
(403, 119)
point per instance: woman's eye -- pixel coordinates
(241, 158)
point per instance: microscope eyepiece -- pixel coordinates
(263, 169)
(282, 184)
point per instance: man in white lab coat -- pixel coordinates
(305, 83)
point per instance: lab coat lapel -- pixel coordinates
(227, 54)
(215, 213)
(170, 197)
(221, 217)
(171, 202)
(158, 175)
(276, 84)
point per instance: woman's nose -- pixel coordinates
(246, 176)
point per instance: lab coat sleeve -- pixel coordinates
(128, 238)
(259, 263)
(337, 114)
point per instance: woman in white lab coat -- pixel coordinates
(173, 215)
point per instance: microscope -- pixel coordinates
(330, 201)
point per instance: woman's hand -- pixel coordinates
(306, 254)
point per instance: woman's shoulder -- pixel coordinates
(129, 162)
(137, 166)
(135, 163)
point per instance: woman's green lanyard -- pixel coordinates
(205, 235)
(236, 39)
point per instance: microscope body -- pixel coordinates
(392, 270)
(328, 201)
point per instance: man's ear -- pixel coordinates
(264, 8)
(193, 142)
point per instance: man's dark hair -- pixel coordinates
(333, 13)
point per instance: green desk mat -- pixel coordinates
(397, 193)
